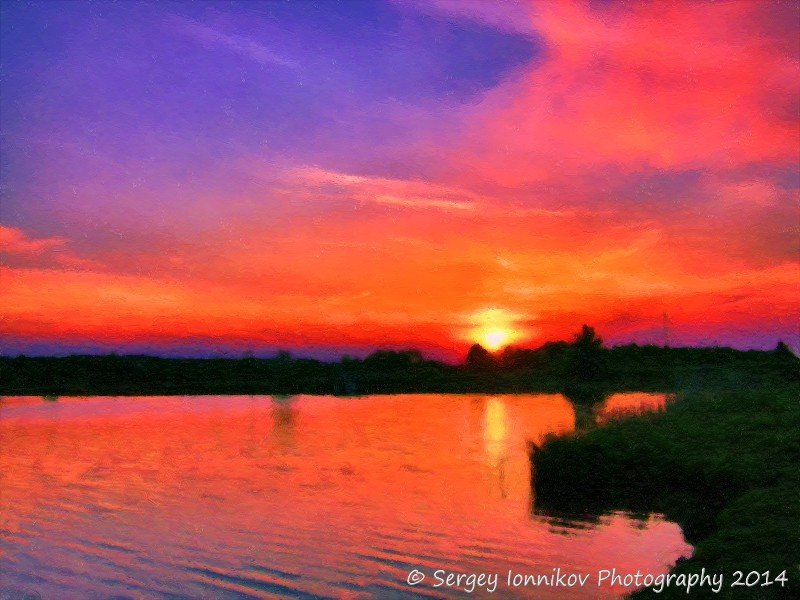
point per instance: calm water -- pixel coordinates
(261, 497)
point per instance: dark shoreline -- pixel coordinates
(555, 367)
(725, 465)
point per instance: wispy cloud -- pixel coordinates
(425, 203)
(49, 251)
(511, 16)
(395, 192)
(15, 241)
(316, 183)
(239, 44)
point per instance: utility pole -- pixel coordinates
(666, 330)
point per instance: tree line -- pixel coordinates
(581, 365)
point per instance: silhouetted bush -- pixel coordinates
(479, 359)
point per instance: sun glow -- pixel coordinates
(494, 339)
(495, 328)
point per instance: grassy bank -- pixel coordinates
(723, 464)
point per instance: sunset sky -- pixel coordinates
(207, 178)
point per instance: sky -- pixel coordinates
(335, 177)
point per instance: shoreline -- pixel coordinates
(721, 464)
(629, 368)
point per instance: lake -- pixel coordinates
(298, 497)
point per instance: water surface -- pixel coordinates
(268, 497)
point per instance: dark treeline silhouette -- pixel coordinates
(581, 367)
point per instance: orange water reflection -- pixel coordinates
(619, 406)
(260, 497)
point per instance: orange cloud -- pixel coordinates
(377, 280)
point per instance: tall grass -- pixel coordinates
(724, 464)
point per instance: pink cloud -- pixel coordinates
(51, 251)
(662, 85)
(413, 194)
(15, 241)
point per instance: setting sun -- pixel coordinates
(495, 328)
(494, 339)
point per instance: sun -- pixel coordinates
(495, 328)
(494, 339)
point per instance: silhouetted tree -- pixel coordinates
(587, 356)
(783, 351)
(588, 339)
(479, 359)
(787, 363)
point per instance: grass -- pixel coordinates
(724, 464)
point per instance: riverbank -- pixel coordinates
(723, 464)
